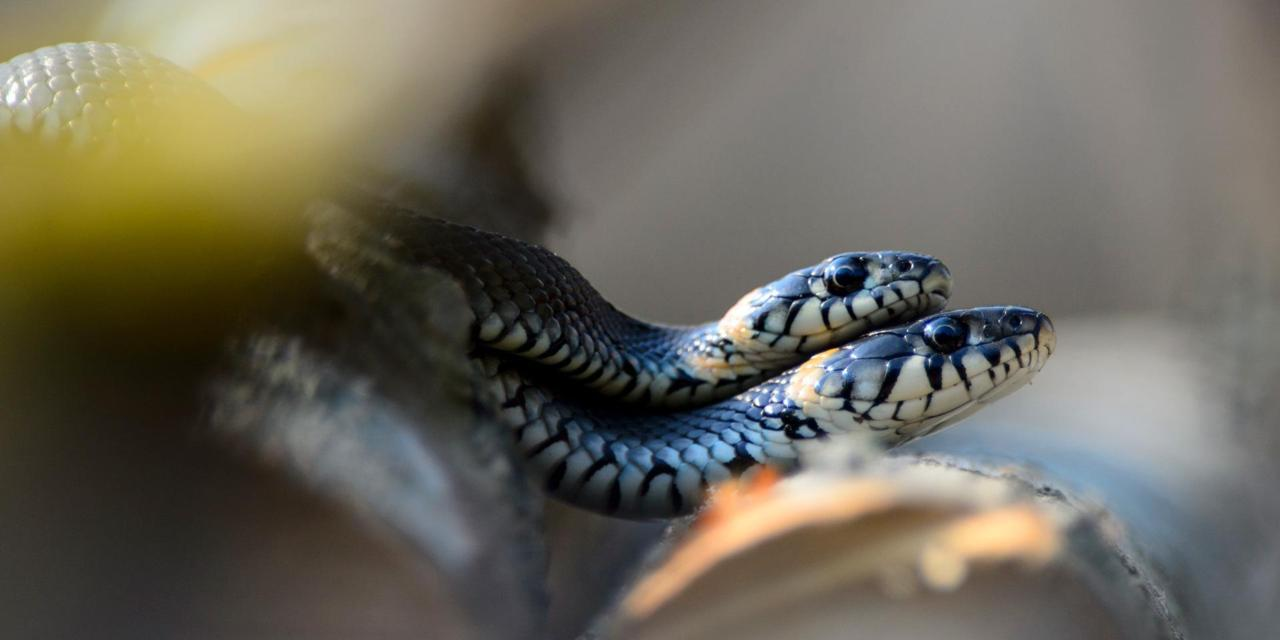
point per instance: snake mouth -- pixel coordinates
(834, 301)
(937, 282)
(841, 321)
(952, 404)
(866, 318)
(895, 385)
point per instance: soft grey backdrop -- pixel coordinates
(1082, 157)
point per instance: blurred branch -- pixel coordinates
(377, 412)
(900, 548)
(1101, 551)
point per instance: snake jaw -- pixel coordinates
(899, 386)
(938, 283)
(804, 312)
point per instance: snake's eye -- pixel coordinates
(843, 277)
(946, 335)
(903, 265)
(1014, 322)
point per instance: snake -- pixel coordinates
(891, 386)
(611, 413)
(589, 449)
(531, 304)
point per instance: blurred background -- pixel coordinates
(1115, 164)
(1095, 158)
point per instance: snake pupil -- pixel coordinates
(903, 265)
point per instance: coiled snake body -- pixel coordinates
(589, 447)
(590, 392)
(895, 385)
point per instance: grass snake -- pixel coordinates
(576, 404)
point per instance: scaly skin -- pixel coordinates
(92, 97)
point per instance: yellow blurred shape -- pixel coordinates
(360, 76)
(139, 204)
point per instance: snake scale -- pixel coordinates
(613, 414)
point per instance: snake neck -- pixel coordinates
(531, 304)
(675, 367)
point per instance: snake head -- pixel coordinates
(834, 301)
(910, 381)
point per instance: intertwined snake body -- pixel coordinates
(894, 386)
(590, 441)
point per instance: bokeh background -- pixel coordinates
(1116, 164)
(1091, 158)
(1113, 163)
